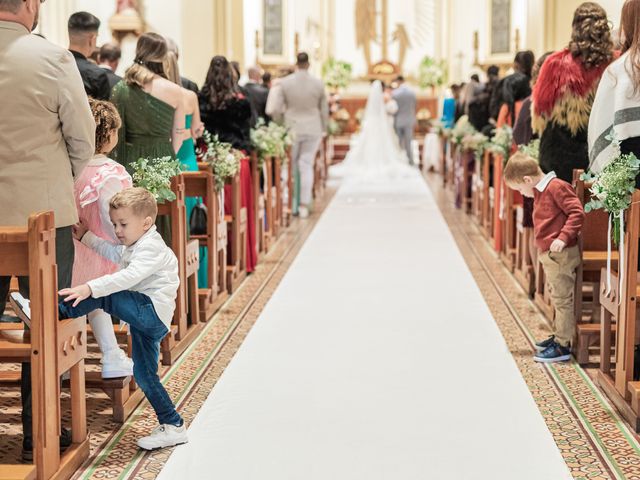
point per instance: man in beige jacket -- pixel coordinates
(47, 135)
(302, 100)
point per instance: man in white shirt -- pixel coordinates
(142, 293)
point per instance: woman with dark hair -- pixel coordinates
(564, 92)
(503, 92)
(151, 107)
(226, 112)
(619, 91)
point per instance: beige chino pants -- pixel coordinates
(560, 272)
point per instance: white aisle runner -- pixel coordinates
(376, 359)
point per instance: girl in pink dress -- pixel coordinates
(100, 180)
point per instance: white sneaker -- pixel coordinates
(164, 436)
(115, 363)
(303, 211)
(21, 307)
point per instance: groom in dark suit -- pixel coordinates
(405, 119)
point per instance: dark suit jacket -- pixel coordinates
(95, 79)
(258, 97)
(113, 78)
(189, 85)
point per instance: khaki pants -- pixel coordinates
(560, 272)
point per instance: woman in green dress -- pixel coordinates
(151, 106)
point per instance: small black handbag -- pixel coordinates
(198, 220)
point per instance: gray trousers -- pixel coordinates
(65, 252)
(303, 156)
(405, 137)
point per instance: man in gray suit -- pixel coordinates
(301, 98)
(405, 119)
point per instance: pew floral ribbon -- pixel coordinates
(611, 190)
(155, 174)
(221, 157)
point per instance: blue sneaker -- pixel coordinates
(553, 353)
(544, 344)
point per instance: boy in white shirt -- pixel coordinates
(142, 294)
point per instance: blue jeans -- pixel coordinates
(147, 330)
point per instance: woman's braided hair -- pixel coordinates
(591, 36)
(107, 120)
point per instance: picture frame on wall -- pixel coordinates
(500, 48)
(273, 46)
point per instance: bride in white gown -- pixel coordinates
(375, 153)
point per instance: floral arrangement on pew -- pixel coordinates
(155, 174)
(532, 149)
(223, 159)
(336, 73)
(462, 129)
(476, 142)
(500, 143)
(612, 190)
(271, 140)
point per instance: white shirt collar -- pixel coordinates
(542, 184)
(106, 67)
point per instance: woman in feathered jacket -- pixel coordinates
(564, 92)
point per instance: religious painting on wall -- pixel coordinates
(273, 27)
(500, 27)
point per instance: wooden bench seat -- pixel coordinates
(18, 472)
(52, 348)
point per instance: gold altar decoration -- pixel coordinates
(127, 19)
(366, 26)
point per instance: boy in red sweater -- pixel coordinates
(557, 219)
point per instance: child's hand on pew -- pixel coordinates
(557, 246)
(79, 293)
(78, 230)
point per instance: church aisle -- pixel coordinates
(376, 358)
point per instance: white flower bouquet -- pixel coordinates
(271, 140)
(221, 157)
(501, 141)
(155, 174)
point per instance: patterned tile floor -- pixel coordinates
(595, 442)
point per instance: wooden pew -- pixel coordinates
(477, 192)
(271, 226)
(467, 163)
(618, 384)
(523, 269)
(258, 204)
(487, 196)
(237, 240)
(201, 184)
(186, 323)
(288, 209)
(593, 248)
(508, 247)
(53, 347)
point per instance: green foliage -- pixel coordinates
(432, 72)
(531, 149)
(223, 159)
(501, 141)
(155, 174)
(336, 73)
(613, 187)
(271, 140)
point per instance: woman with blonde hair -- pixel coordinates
(151, 107)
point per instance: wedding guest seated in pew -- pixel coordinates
(557, 220)
(142, 294)
(101, 179)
